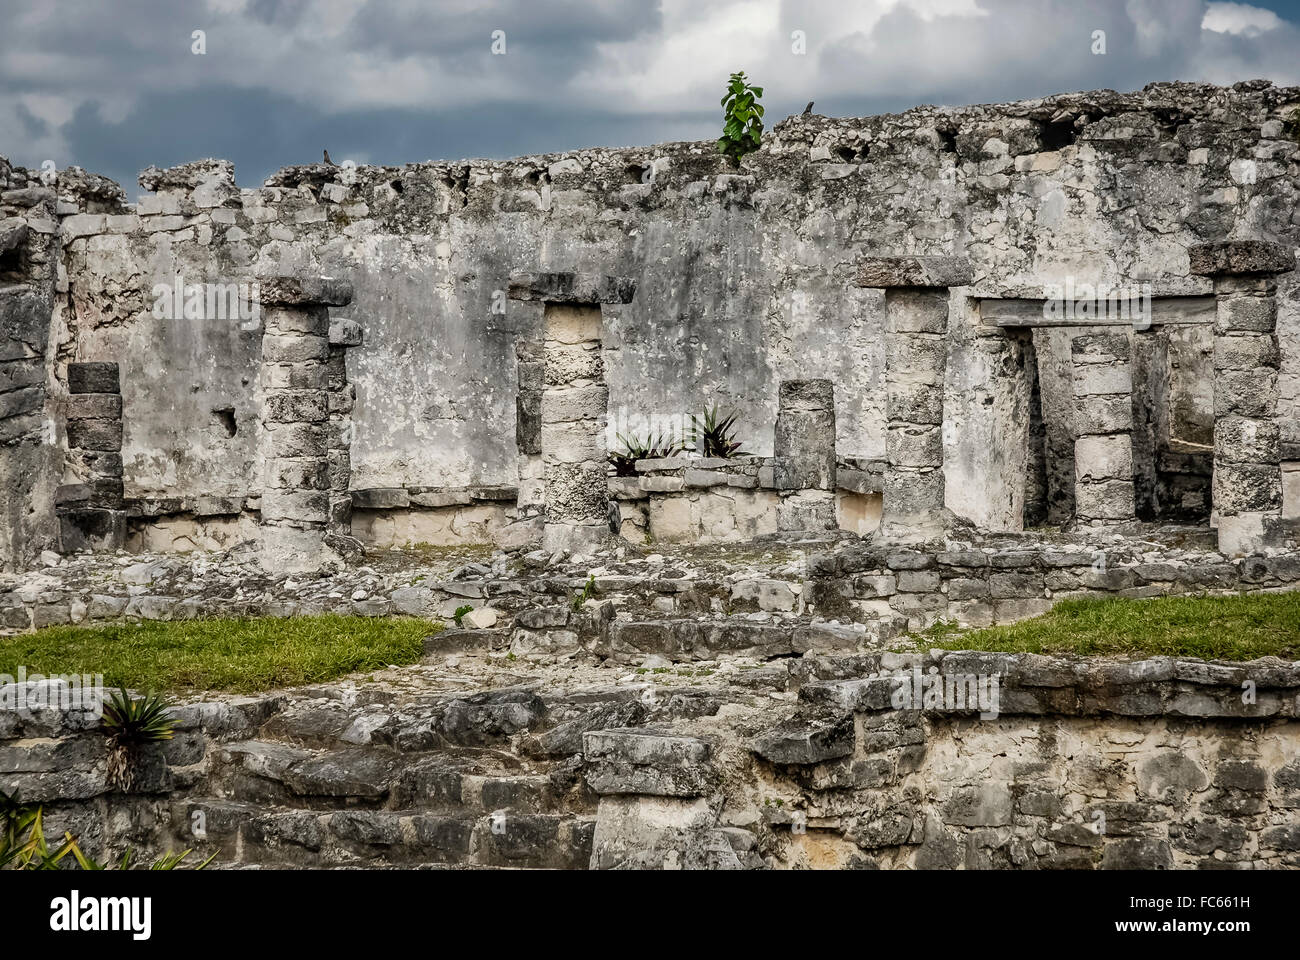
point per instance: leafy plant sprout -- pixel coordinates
(742, 119)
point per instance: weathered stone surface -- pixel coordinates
(93, 377)
(571, 287)
(806, 743)
(1240, 257)
(351, 773)
(282, 290)
(913, 271)
(646, 762)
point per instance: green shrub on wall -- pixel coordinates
(742, 119)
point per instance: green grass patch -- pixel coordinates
(1212, 628)
(238, 655)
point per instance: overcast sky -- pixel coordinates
(115, 85)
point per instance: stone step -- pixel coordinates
(687, 640)
(268, 772)
(284, 836)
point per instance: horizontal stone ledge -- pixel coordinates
(568, 287)
(289, 291)
(1165, 311)
(913, 271)
(859, 481)
(1240, 257)
(1036, 684)
(204, 506)
(398, 498)
(381, 498)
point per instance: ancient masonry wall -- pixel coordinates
(743, 280)
(30, 462)
(1077, 763)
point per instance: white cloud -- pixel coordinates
(1239, 18)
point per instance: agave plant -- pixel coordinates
(22, 837)
(130, 725)
(712, 436)
(654, 447)
(170, 860)
(23, 845)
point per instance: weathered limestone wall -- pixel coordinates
(805, 762)
(30, 462)
(742, 273)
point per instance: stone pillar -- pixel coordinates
(344, 333)
(1103, 428)
(91, 512)
(804, 453)
(295, 420)
(528, 429)
(916, 351)
(31, 463)
(1247, 487)
(574, 403)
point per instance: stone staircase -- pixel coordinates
(492, 779)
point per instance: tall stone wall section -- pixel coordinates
(742, 272)
(1097, 186)
(29, 458)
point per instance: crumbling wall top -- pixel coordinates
(303, 291)
(571, 287)
(1240, 257)
(914, 272)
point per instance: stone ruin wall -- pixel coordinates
(741, 279)
(1150, 764)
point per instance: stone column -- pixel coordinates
(344, 333)
(804, 454)
(1247, 487)
(1103, 427)
(295, 420)
(528, 429)
(916, 351)
(91, 512)
(30, 461)
(575, 402)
